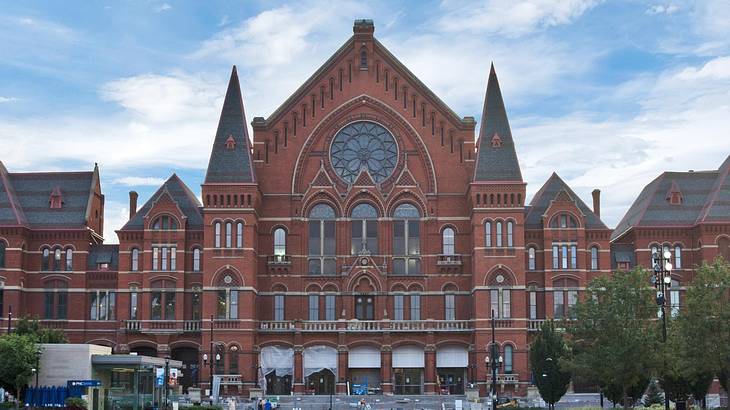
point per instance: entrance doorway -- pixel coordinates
(321, 382)
(408, 381)
(451, 380)
(278, 385)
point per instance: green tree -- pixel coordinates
(18, 357)
(547, 351)
(653, 395)
(705, 323)
(32, 327)
(614, 338)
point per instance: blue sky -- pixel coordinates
(605, 93)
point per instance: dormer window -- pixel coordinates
(164, 223)
(230, 143)
(56, 201)
(674, 195)
(496, 141)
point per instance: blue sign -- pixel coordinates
(84, 383)
(159, 376)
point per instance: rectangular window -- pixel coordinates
(156, 305)
(133, 305)
(169, 305)
(506, 304)
(233, 309)
(195, 308)
(510, 241)
(564, 256)
(155, 258)
(450, 307)
(556, 257)
(677, 257)
(494, 303)
(239, 235)
(229, 237)
(93, 306)
(164, 259)
(572, 300)
(173, 258)
(415, 307)
(1, 303)
(279, 307)
(313, 307)
(222, 305)
(488, 234)
(196, 260)
(398, 307)
(329, 307)
(499, 234)
(61, 305)
(594, 258)
(531, 259)
(558, 306)
(48, 305)
(533, 305)
(573, 257)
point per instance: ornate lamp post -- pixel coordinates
(495, 360)
(662, 280)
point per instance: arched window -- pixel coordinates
(563, 221)
(488, 234)
(217, 227)
(322, 240)
(510, 241)
(447, 241)
(196, 260)
(364, 230)
(45, 264)
(279, 243)
(565, 297)
(164, 223)
(723, 247)
(594, 258)
(239, 235)
(531, 258)
(450, 306)
(57, 259)
(229, 234)
(2, 257)
(227, 307)
(233, 360)
(135, 260)
(508, 359)
(406, 240)
(69, 259)
(677, 257)
(499, 234)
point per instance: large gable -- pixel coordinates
(554, 188)
(178, 192)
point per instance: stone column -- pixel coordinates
(430, 370)
(298, 380)
(341, 377)
(386, 369)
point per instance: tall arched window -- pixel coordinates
(217, 228)
(45, 256)
(2, 256)
(196, 260)
(57, 259)
(69, 259)
(677, 257)
(510, 241)
(447, 241)
(135, 260)
(531, 258)
(164, 223)
(229, 234)
(227, 306)
(233, 360)
(279, 243)
(499, 234)
(406, 240)
(239, 235)
(322, 240)
(723, 247)
(508, 359)
(364, 229)
(594, 258)
(488, 234)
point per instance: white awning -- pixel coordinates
(408, 357)
(318, 358)
(279, 358)
(452, 356)
(363, 357)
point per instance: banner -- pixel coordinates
(159, 376)
(216, 387)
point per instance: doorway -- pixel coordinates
(321, 382)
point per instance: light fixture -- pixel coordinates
(486, 359)
(668, 280)
(668, 266)
(667, 254)
(205, 357)
(217, 357)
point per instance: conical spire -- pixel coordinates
(230, 160)
(496, 159)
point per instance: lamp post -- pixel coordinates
(662, 280)
(211, 360)
(167, 378)
(10, 317)
(495, 360)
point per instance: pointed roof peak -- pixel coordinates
(231, 163)
(496, 156)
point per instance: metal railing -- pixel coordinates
(355, 325)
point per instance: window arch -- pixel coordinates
(57, 259)
(594, 258)
(217, 234)
(279, 243)
(45, 259)
(531, 258)
(363, 57)
(233, 360)
(723, 247)
(510, 236)
(197, 253)
(69, 266)
(488, 234)
(239, 235)
(229, 234)
(563, 220)
(565, 297)
(508, 353)
(677, 257)
(227, 297)
(164, 223)
(448, 241)
(498, 234)
(134, 263)
(406, 240)
(322, 240)
(501, 295)
(364, 229)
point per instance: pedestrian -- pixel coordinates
(260, 404)
(267, 405)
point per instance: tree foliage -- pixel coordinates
(547, 351)
(31, 327)
(18, 358)
(614, 338)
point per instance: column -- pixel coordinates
(342, 366)
(386, 369)
(298, 381)
(429, 378)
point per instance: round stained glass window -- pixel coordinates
(364, 145)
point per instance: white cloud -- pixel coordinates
(510, 18)
(139, 181)
(163, 8)
(7, 99)
(662, 9)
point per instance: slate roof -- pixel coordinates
(231, 165)
(495, 163)
(103, 254)
(24, 198)
(553, 187)
(705, 198)
(180, 193)
(622, 253)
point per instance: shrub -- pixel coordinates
(76, 403)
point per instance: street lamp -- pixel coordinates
(167, 376)
(662, 280)
(495, 360)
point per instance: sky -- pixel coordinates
(608, 94)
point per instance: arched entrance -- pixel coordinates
(144, 351)
(277, 367)
(321, 382)
(320, 368)
(189, 357)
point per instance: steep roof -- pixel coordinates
(103, 254)
(496, 155)
(622, 253)
(717, 207)
(553, 188)
(24, 198)
(230, 159)
(181, 194)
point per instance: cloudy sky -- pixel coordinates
(606, 94)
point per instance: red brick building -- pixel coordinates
(360, 236)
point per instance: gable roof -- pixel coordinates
(24, 198)
(103, 254)
(495, 162)
(181, 194)
(231, 163)
(705, 198)
(556, 188)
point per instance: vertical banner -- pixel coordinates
(159, 376)
(216, 387)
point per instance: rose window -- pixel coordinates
(364, 145)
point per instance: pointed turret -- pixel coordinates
(230, 160)
(496, 157)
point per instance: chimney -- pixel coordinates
(597, 202)
(132, 203)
